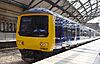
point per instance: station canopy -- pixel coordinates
(77, 10)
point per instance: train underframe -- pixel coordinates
(34, 55)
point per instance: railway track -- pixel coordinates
(8, 49)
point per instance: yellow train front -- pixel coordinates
(35, 33)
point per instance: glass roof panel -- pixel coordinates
(88, 9)
(83, 13)
(93, 1)
(81, 9)
(77, 5)
(99, 3)
(94, 6)
(83, 1)
(71, 1)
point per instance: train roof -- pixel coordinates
(44, 10)
(37, 10)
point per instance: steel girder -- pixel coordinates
(80, 17)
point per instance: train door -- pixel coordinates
(78, 33)
(89, 33)
(65, 33)
(59, 35)
(72, 34)
(68, 34)
(72, 28)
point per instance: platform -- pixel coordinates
(85, 54)
(7, 43)
(8, 40)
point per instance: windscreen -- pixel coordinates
(34, 26)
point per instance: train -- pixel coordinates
(41, 32)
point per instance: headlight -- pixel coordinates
(43, 44)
